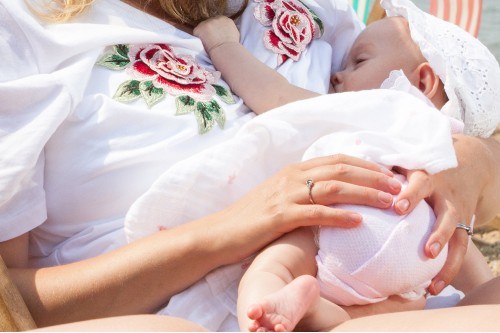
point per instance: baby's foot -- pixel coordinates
(282, 310)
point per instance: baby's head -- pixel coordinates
(451, 67)
(384, 46)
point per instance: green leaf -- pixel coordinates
(122, 50)
(128, 91)
(184, 105)
(113, 61)
(225, 94)
(207, 114)
(150, 93)
(319, 23)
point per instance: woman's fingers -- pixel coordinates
(355, 175)
(346, 160)
(306, 193)
(445, 231)
(310, 215)
(447, 219)
(338, 192)
(457, 248)
(419, 187)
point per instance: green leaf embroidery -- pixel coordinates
(128, 91)
(318, 22)
(122, 50)
(184, 105)
(117, 60)
(208, 113)
(150, 93)
(225, 94)
(113, 61)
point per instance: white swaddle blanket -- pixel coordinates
(386, 126)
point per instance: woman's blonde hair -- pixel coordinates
(189, 12)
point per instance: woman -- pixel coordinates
(76, 156)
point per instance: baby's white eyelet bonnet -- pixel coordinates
(470, 73)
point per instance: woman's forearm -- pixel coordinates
(137, 278)
(142, 276)
(482, 157)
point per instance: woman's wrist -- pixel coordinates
(216, 238)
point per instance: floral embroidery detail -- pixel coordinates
(292, 27)
(157, 71)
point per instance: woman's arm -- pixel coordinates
(143, 275)
(135, 279)
(261, 87)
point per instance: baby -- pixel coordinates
(278, 291)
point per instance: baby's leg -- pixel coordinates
(279, 289)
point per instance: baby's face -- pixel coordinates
(382, 47)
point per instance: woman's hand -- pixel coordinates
(282, 203)
(451, 207)
(217, 31)
(455, 194)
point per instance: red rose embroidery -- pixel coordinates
(178, 75)
(157, 72)
(293, 26)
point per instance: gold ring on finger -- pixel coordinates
(310, 185)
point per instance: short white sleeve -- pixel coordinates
(33, 106)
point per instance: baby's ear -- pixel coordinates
(428, 81)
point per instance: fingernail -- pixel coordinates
(394, 184)
(435, 248)
(439, 286)
(385, 197)
(403, 205)
(355, 218)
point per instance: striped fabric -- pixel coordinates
(362, 8)
(464, 13)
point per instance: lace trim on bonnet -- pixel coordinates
(470, 73)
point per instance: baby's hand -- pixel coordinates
(217, 31)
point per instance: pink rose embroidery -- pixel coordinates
(292, 27)
(158, 71)
(178, 75)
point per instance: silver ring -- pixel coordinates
(469, 230)
(310, 185)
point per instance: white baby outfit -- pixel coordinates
(356, 266)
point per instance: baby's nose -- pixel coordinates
(336, 78)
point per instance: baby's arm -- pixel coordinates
(261, 87)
